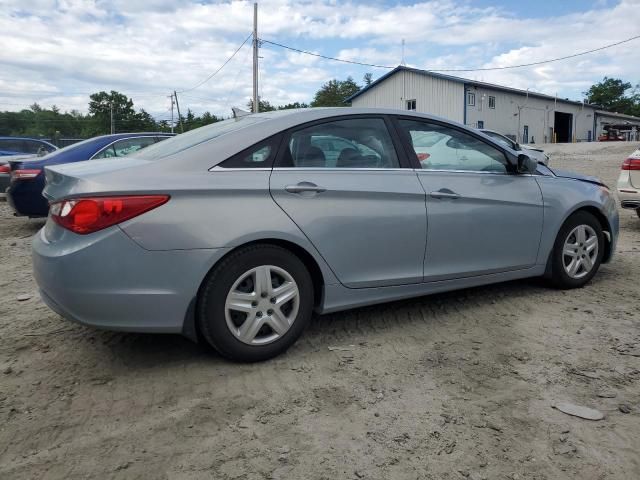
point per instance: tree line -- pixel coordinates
(611, 94)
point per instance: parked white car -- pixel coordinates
(629, 182)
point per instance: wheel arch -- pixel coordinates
(190, 328)
(604, 223)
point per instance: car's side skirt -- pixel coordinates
(338, 297)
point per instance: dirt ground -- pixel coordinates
(452, 386)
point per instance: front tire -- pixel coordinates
(255, 303)
(577, 252)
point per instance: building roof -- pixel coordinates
(623, 116)
(464, 81)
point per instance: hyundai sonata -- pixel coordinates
(238, 231)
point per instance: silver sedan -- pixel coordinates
(237, 232)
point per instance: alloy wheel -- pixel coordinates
(262, 304)
(580, 251)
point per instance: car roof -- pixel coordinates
(255, 127)
(41, 140)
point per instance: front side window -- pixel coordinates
(439, 147)
(17, 146)
(471, 99)
(356, 143)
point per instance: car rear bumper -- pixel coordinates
(107, 281)
(629, 197)
(4, 183)
(25, 198)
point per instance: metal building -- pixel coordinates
(526, 116)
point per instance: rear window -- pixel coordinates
(195, 137)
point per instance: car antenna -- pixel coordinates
(238, 112)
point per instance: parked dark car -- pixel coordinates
(20, 145)
(27, 175)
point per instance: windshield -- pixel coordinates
(500, 139)
(195, 137)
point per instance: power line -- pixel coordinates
(324, 56)
(221, 67)
(540, 62)
(479, 69)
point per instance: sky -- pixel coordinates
(57, 52)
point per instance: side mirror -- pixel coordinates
(526, 164)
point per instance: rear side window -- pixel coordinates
(353, 143)
(32, 146)
(260, 155)
(106, 153)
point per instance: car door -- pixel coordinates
(362, 207)
(482, 217)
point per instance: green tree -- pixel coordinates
(263, 105)
(367, 79)
(334, 93)
(290, 106)
(100, 106)
(611, 94)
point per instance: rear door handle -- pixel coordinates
(304, 187)
(445, 194)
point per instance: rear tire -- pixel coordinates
(255, 303)
(577, 252)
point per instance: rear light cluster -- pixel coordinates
(25, 173)
(631, 164)
(5, 168)
(88, 215)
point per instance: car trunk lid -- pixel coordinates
(81, 177)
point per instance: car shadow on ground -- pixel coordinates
(152, 350)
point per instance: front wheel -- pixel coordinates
(255, 303)
(578, 251)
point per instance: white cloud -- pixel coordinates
(60, 51)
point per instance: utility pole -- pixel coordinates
(113, 129)
(175, 95)
(171, 97)
(256, 101)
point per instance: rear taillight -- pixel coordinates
(423, 156)
(631, 164)
(25, 173)
(5, 168)
(88, 215)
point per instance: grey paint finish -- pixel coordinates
(349, 223)
(494, 225)
(367, 232)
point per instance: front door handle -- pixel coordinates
(304, 187)
(445, 193)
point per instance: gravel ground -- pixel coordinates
(452, 386)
